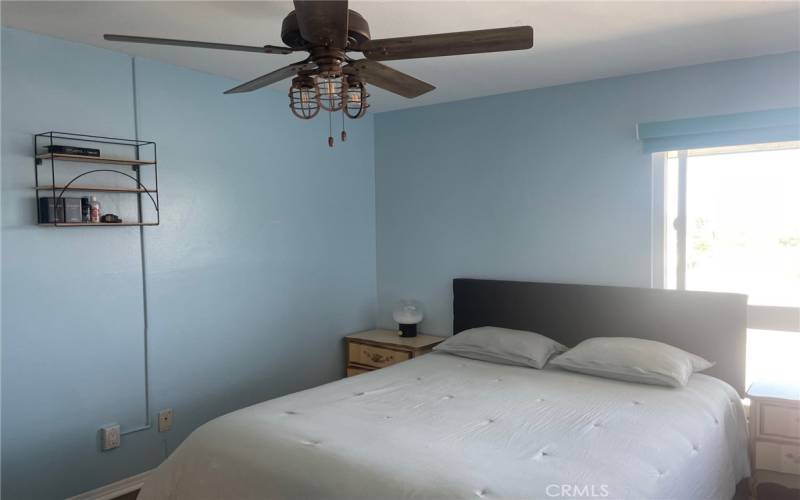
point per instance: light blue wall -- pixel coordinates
(547, 184)
(265, 257)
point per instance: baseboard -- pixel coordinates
(114, 490)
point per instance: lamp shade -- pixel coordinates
(408, 312)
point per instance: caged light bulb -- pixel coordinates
(303, 98)
(355, 98)
(329, 91)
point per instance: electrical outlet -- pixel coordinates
(110, 437)
(165, 420)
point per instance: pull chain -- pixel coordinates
(330, 129)
(344, 132)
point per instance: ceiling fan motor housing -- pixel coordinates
(357, 31)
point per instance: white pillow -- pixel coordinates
(501, 345)
(632, 360)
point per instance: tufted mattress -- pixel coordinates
(440, 426)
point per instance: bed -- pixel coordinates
(442, 426)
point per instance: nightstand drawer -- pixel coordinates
(778, 457)
(370, 355)
(355, 370)
(780, 421)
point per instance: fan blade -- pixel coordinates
(323, 22)
(267, 49)
(273, 77)
(449, 44)
(388, 78)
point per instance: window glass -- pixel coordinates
(743, 225)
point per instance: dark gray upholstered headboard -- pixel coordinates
(711, 325)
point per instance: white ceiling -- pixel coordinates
(574, 41)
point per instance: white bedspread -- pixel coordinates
(441, 426)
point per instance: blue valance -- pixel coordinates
(756, 127)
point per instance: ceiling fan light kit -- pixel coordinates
(329, 79)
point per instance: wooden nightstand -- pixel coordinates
(373, 349)
(774, 435)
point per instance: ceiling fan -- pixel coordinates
(329, 79)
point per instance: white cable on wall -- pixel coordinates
(148, 424)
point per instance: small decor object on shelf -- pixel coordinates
(94, 210)
(86, 209)
(110, 219)
(72, 150)
(408, 314)
(53, 210)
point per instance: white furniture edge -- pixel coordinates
(114, 490)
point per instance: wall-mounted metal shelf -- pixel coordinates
(127, 153)
(93, 159)
(95, 224)
(100, 189)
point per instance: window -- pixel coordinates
(728, 220)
